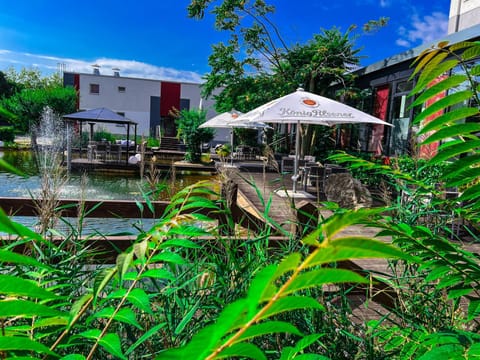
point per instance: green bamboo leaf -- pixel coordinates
(423, 59)
(140, 249)
(147, 335)
(475, 71)
(13, 228)
(311, 357)
(461, 45)
(169, 257)
(474, 351)
(102, 279)
(471, 53)
(291, 303)
(13, 343)
(306, 341)
(450, 150)
(73, 357)
(179, 243)
(460, 165)
(316, 278)
(450, 351)
(456, 293)
(158, 273)
(186, 319)
(242, 350)
(289, 263)
(261, 287)
(452, 131)
(91, 334)
(452, 280)
(127, 316)
(199, 206)
(25, 308)
(188, 231)
(11, 169)
(16, 286)
(348, 248)
(124, 262)
(208, 339)
(472, 193)
(433, 70)
(7, 256)
(448, 117)
(473, 309)
(437, 273)
(78, 305)
(139, 298)
(465, 177)
(337, 222)
(269, 327)
(111, 343)
(51, 321)
(442, 86)
(452, 99)
(140, 206)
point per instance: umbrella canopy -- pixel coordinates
(229, 120)
(302, 107)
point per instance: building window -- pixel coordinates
(121, 113)
(121, 89)
(94, 89)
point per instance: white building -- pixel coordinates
(463, 14)
(145, 101)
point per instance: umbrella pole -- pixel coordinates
(297, 153)
(231, 146)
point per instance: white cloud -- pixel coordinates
(424, 30)
(384, 3)
(129, 68)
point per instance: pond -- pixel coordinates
(99, 186)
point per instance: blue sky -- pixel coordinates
(155, 38)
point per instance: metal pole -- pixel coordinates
(297, 148)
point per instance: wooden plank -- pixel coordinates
(94, 208)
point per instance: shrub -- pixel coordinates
(7, 134)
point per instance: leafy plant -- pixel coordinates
(188, 122)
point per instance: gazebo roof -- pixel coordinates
(100, 115)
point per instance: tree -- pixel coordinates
(32, 78)
(29, 104)
(188, 122)
(256, 65)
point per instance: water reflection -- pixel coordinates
(99, 186)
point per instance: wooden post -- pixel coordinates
(307, 218)
(229, 192)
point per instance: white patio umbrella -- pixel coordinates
(302, 107)
(229, 120)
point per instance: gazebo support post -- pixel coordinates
(128, 144)
(69, 146)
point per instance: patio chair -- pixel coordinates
(101, 151)
(288, 164)
(316, 177)
(115, 152)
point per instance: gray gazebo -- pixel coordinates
(93, 116)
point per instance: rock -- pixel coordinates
(347, 192)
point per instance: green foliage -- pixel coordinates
(103, 135)
(153, 142)
(188, 122)
(175, 295)
(438, 304)
(7, 134)
(28, 105)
